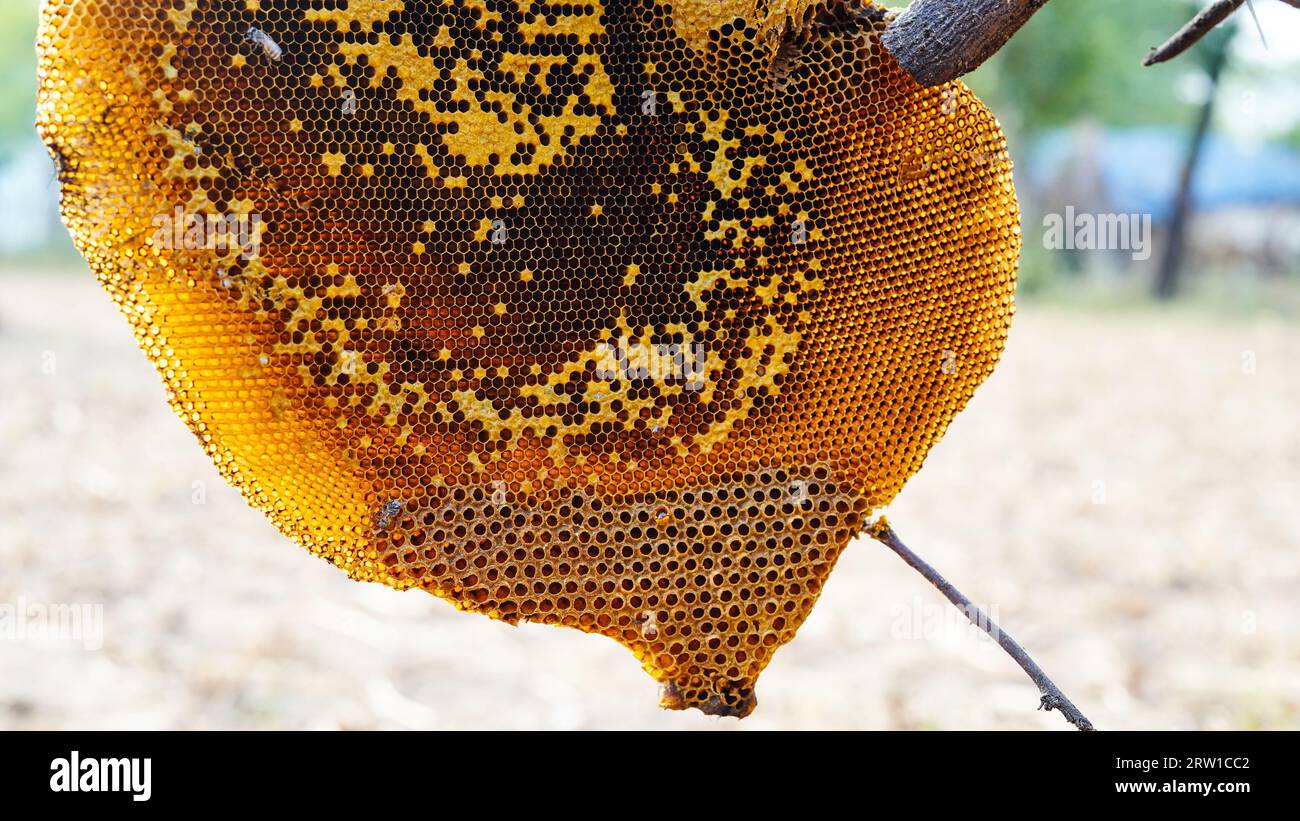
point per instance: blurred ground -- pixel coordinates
(1123, 495)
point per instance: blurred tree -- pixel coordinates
(1084, 60)
(1212, 52)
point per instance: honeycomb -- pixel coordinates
(622, 316)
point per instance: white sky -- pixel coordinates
(1281, 24)
(1257, 107)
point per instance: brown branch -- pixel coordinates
(1052, 697)
(1190, 34)
(936, 41)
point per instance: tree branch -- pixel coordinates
(1190, 34)
(936, 41)
(1052, 697)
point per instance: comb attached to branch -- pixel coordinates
(598, 331)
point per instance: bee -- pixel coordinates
(60, 162)
(785, 61)
(270, 49)
(387, 514)
(648, 624)
(191, 138)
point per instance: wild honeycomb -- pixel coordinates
(621, 316)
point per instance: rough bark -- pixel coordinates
(940, 40)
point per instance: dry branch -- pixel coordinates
(1201, 25)
(936, 41)
(1051, 696)
(1190, 34)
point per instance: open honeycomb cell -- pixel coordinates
(622, 316)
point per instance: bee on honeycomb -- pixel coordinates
(551, 317)
(263, 41)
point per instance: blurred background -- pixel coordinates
(1123, 495)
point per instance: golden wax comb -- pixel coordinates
(621, 316)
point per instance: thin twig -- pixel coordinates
(1190, 34)
(1258, 26)
(1052, 697)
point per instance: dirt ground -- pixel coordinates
(1123, 496)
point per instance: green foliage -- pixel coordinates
(1292, 137)
(17, 70)
(1078, 60)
